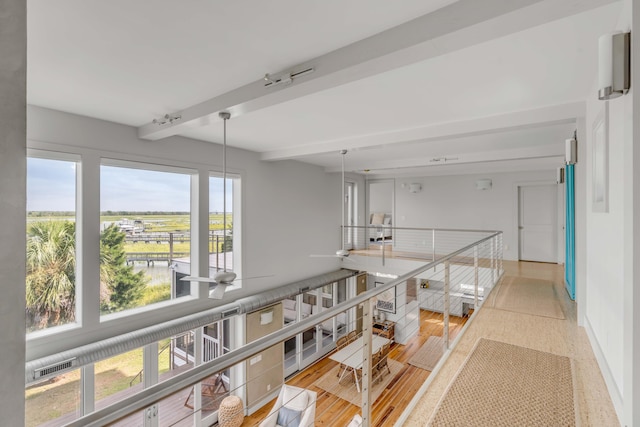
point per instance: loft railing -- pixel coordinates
(439, 293)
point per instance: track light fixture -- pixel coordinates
(167, 119)
(443, 159)
(286, 78)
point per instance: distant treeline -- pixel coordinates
(105, 213)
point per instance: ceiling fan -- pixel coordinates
(223, 278)
(340, 253)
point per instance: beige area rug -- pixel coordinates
(529, 296)
(346, 388)
(428, 356)
(506, 385)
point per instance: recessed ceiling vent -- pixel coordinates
(54, 369)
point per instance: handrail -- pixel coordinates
(389, 226)
(157, 392)
(139, 374)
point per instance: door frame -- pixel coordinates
(516, 214)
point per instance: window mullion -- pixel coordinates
(88, 242)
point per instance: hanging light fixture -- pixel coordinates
(224, 278)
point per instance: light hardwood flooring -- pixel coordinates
(387, 409)
(562, 337)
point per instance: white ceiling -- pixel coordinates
(489, 86)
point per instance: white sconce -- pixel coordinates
(571, 151)
(415, 187)
(613, 65)
(483, 184)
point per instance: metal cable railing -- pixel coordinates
(450, 287)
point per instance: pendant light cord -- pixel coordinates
(224, 116)
(343, 152)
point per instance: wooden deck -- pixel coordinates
(331, 410)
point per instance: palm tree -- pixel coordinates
(51, 267)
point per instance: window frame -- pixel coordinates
(89, 326)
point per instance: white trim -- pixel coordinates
(614, 392)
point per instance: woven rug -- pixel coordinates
(506, 385)
(429, 354)
(346, 388)
(529, 296)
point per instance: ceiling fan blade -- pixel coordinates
(199, 279)
(218, 291)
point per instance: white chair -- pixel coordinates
(295, 406)
(356, 421)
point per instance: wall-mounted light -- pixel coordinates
(614, 65)
(571, 151)
(483, 184)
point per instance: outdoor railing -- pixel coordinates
(435, 299)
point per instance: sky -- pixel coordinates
(51, 187)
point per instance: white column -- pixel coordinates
(13, 128)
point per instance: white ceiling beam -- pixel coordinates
(541, 151)
(551, 115)
(520, 165)
(462, 24)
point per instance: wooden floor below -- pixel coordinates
(333, 411)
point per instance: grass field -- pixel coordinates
(53, 399)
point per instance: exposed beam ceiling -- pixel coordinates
(454, 27)
(492, 83)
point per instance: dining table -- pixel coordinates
(351, 356)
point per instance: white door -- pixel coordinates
(538, 223)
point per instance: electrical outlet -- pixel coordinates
(268, 387)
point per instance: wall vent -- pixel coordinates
(232, 312)
(52, 369)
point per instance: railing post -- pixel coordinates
(446, 305)
(383, 245)
(433, 246)
(367, 323)
(501, 255)
(475, 277)
(493, 270)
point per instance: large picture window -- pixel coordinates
(145, 231)
(51, 243)
(220, 239)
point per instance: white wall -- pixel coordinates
(610, 320)
(13, 73)
(381, 196)
(290, 210)
(454, 202)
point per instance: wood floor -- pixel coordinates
(333, 411)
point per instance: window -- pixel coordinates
(55, 399)
(145, 231)
(51, 243)
(117, 377)
(220, 240)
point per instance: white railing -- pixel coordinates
(444, 293)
